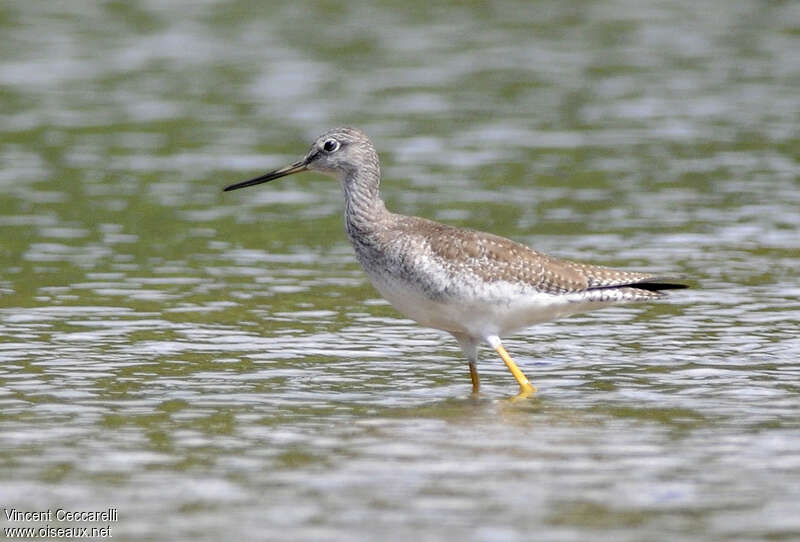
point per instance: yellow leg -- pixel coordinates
(473, 374)
(525, 387)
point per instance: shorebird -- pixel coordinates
(476, 286)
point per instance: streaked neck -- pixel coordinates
(364, 209)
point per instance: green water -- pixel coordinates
(216, 366)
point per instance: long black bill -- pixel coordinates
(272, 175)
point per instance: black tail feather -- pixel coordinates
(645, 285)
(658, 286)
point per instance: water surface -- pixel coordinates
(216, 365)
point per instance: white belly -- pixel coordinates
(495, 309)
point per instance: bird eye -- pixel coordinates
(330, 145)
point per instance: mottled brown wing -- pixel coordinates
(496, 258)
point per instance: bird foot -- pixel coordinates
(525, 392)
